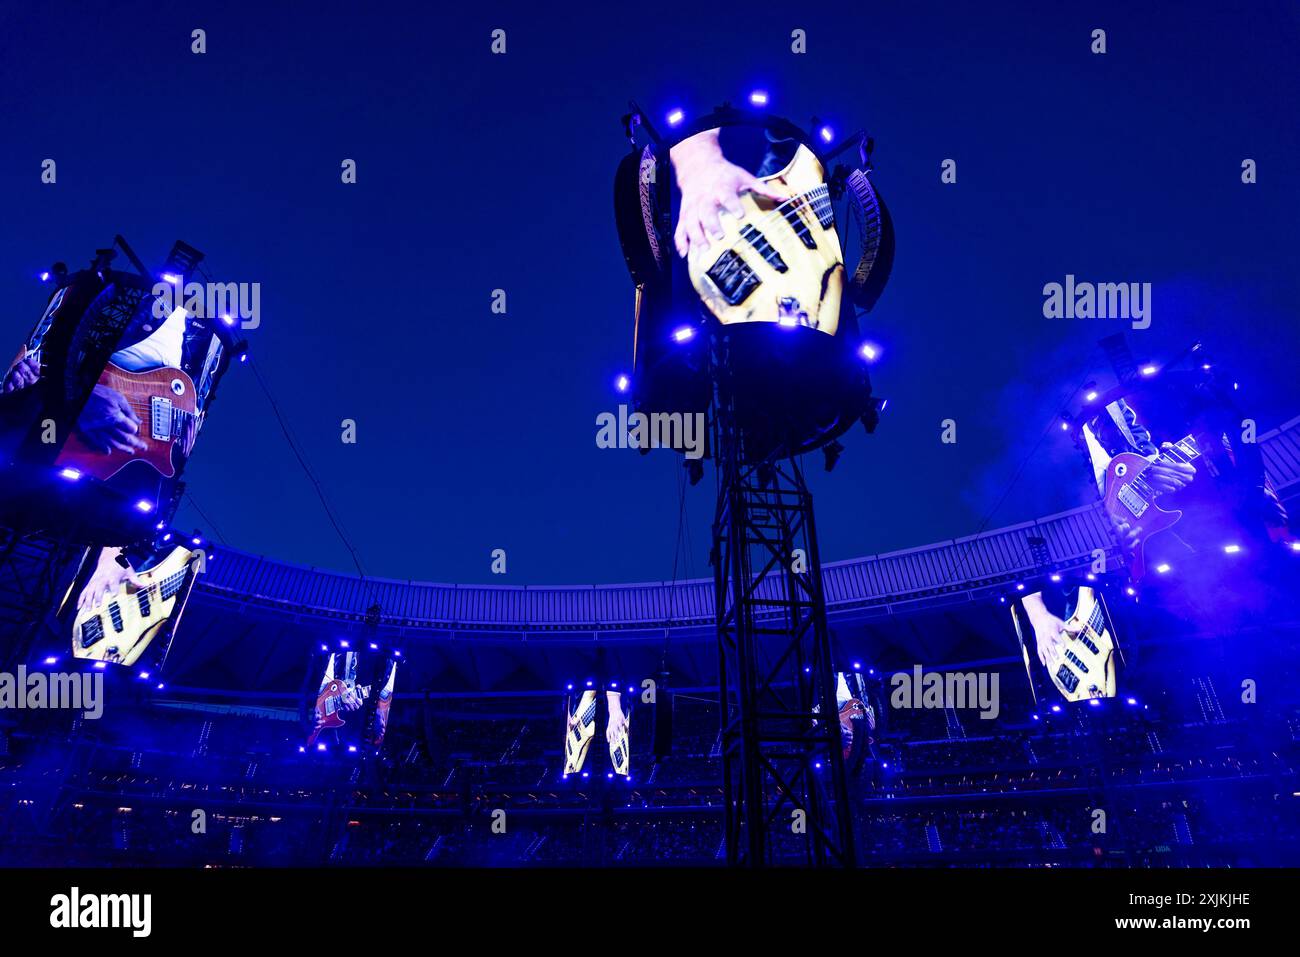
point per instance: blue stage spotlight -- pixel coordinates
(1163, 568)
(321, 746)
(683, 334)
(144, 505)
(1132, 701)
(1056, 709)
(373, 646)
(143, 676)
(343, 643)
(70, 474)
(324, 648)
(159, 686)
(1035, 717)
(870, 351)
(1020, 586)
(1055, 577)
(101, 665)
(758, 98)
(569, 686)
(675, 117)
(622, 383)
(352, 749)
(45, 277)
(1091, 577)
(397, 654)
(51, 660)
(1231, 549)
(302, 749)
(590, 683)
(1094, 702)
(1090, 397)
(857, 666)
(1149, 370)
(826, 133)
(172, 278)
(1130, 591)
(227, 320)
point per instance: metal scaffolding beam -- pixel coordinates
(783, 767)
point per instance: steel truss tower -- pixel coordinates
(783, 768)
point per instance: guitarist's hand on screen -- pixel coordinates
(1052, 632)
(1130, 536)
(617, 726)
(350, 700)
(25, 372)
(709, 184)
(1169, 476)
(108, 422)
(109, 579)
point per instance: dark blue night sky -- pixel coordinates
(477, 172)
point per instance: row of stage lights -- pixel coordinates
(759, 99)
(867, 351)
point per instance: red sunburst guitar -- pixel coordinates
(163, 401)
(329, 704)
(1131, 500)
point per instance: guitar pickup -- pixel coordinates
(92, 630)
(1067, 678)
(733, 277)
(1132, 501)
(160, 418)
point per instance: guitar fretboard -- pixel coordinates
(1184, 452)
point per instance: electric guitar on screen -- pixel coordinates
(164, 402)
(1128, 498)
(121, 627)
(579, 730)
(328, 708)
(779, 262)
(1082, 648)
